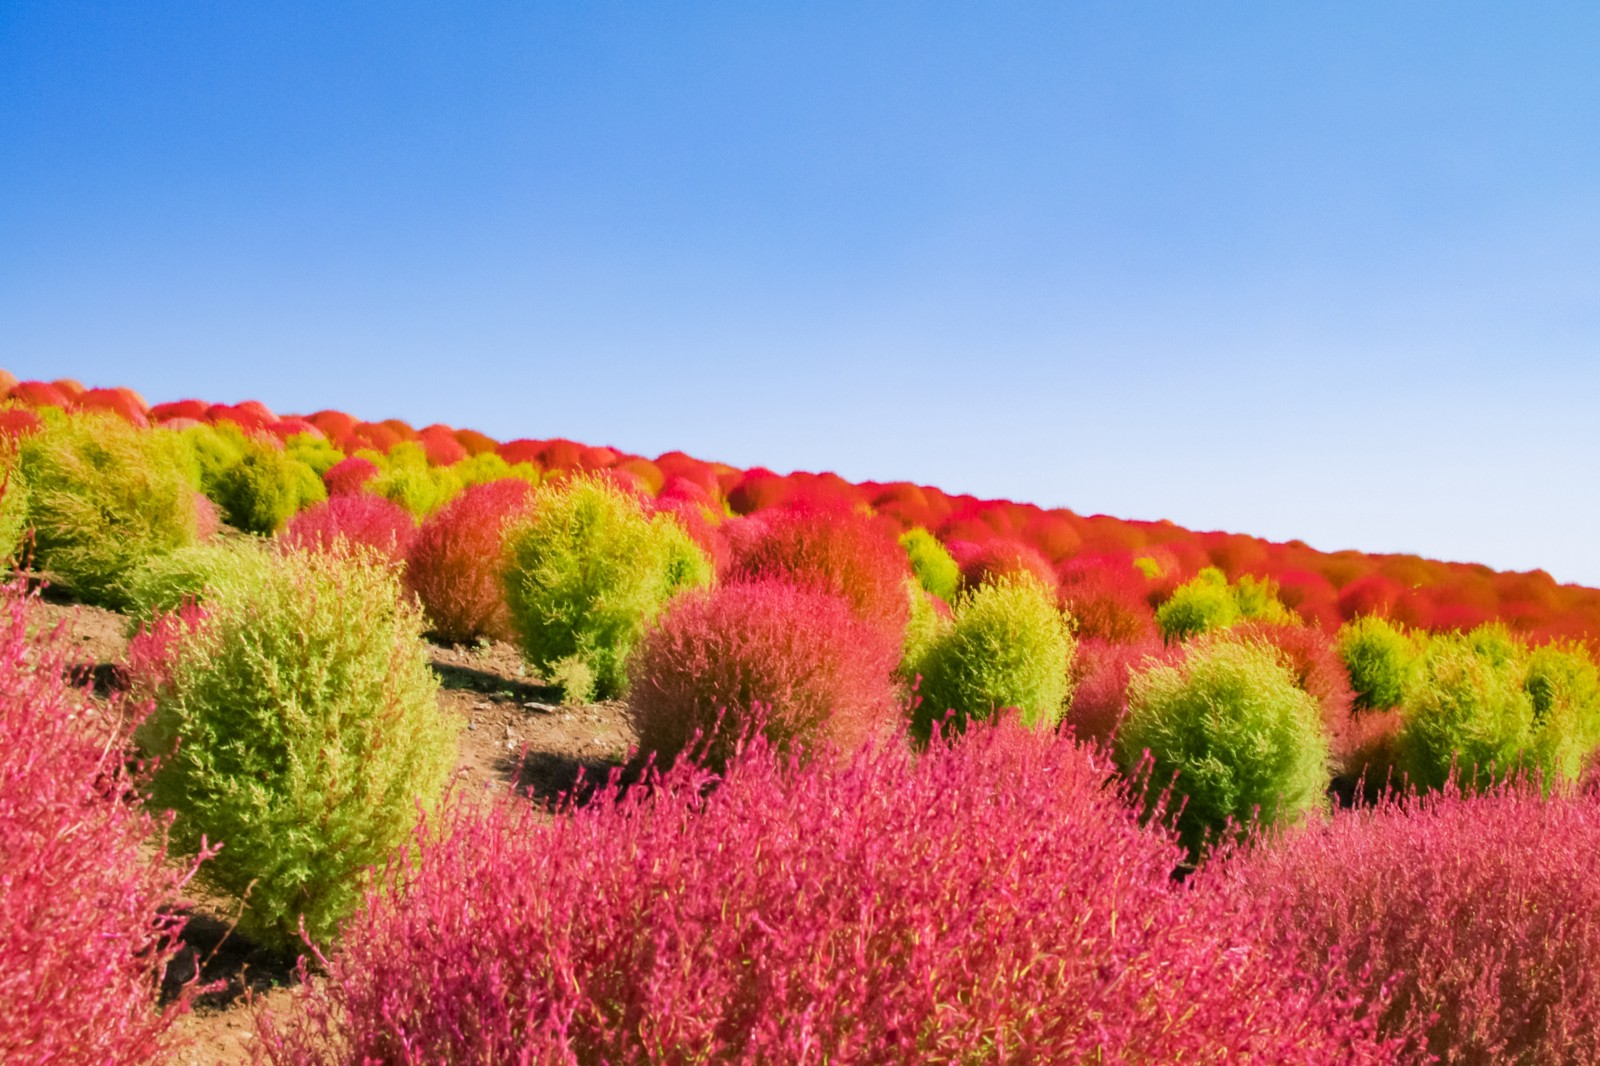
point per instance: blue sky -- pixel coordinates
(1299, 270)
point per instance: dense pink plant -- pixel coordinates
(124, 403)
(1055, 533)
(797, 659)
(39, 394)
(836, 551)
(699, 515)
(1484, 912)
(678, 465)
(348, 475)
(19, 422)
(1004, 557)
(1100, 672)
(356, 518)
(1311, 596)
(1373, 594)
(988, 901)
(453, 563)
(439, 444)
(759, 490)
(522, 451)
(1313, 658)
(86, 929)
(1107, 598)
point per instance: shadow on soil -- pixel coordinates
(470, 679)
(217, 954)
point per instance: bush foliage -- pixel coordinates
(1379, 656)
(1239, 740)
(795, 662)
(304, 742)
(265, 489)
(1008, 647)
(103, 498)
(587, 571)
(454, 562)
(934, 567)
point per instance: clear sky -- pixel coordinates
(1316, 270)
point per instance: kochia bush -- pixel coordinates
(586, 571)
(453, 564)
(1227, 726)
(794, 661)
(1481, 914)
(304, 742)
(1379, 657)
(1008, 647)
(265, 489)
(86, 925)
(372, 521)
(988, 901)
(103, 498)
(932, 564)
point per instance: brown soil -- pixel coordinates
(517, 736)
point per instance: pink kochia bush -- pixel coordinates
(1483, 913)
(453, 565)
(357, 518)
(84, 933)
(835, 551)
(796, 659)
(987, 901)
(348, 475)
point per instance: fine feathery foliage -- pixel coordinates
(358, 518)
(86, 925)
(295, 721)
(1480, 914)
(13, 503)
(1240, 742)
(103, 498)
(987, 901)
(1207, 602)
(453, 564)
(192, 575)
(1009, 646)
(266, 488)
(793, 661)
(1380, 657)
(931, 562)
(586, 571)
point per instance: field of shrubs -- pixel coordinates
(915, 778)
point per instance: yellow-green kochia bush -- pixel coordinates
(1009, 646)
(295, 722)
(1379, 657)
(585, 572)
(266, 488)
(935, 567)
(190, 575)
(1564, 685)
(1233, 733)
(1206, 602)
(103, 498)
(13, 507)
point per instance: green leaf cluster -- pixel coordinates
(1206, 602)
(931, 562)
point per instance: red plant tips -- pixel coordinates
(39, 394)
(988, 901)
(440, 445)
(995, 559)
(1108, 599)
(839, 552)
(82, 929)
(356, 518)
(348, 475)
(1101, 671)
(453, 565)
(797, 661)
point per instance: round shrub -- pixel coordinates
(1100, 675)
(349, 475)
(1379, 657)
(1106, 597)
(296, 723)
(192, 575)
(371, 521)
(998, 558)
(1241, 743)
(1480, 915)
(87, 925)
(988, 901)
(794, 661)
(1199, 605)
(405, 477)
(13, 506)
(265, 489)
(1466, 713)
(1008, 647)
(453, 564)
(933, 566)
(103, 498)
(1564, 685)
(586, 571)
(844, 553)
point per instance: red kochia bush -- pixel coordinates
(841, 552)
(797, 659)
(358, 518)
(453, 565)
(1003, 557)
(348, 475)
(1107, 597)
(986, 901)
(1486, 911)
(82, 929)
(1100, 672)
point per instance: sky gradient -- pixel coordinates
(1317, 271)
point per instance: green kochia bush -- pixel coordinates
(103, 498)
(1207, 602)
(1009, 646)
(295, 722)
(1379, 657)
(194, 574)
(586, 572)
(931, 562)
(13, 508)
(1564, 685)
(1228, 726)
(267, 488)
